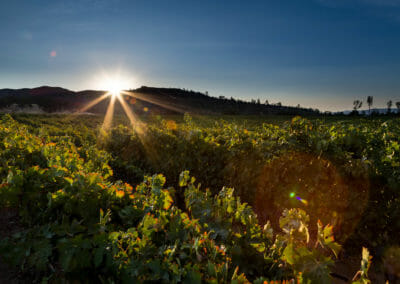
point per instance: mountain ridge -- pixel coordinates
(154, 99)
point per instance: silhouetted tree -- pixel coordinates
(356, 105)
(370, 101)
(279, 104)
(398, 107)
(266, 102)
(258, 101)
(389, 106)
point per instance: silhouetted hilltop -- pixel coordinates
(155, 100)
(49, 99)
(40, 91)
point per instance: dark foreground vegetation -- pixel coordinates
(200, 200)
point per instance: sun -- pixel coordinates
(115, 86)
(115, 83)
(115, 89)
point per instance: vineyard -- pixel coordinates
(200, 199)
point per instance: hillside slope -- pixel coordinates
(157, 100)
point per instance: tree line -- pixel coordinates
(357, 104)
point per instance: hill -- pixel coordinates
(374, 111)
(157, 100)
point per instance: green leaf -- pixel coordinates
(69, 180)
(326, 239)
(289, 254)
(184, 178)
(193, 277)
(98, 256)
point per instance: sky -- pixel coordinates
(317, 53)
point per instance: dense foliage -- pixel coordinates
(346, 172)
(92, 209)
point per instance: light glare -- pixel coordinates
(115, 86)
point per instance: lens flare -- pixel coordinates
(302, 200)
(293, 194)
(312, 182)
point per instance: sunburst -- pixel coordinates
(116, 87)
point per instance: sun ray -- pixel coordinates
(137, 125)
(93, 103)
(132, 118)
(109, 113)
(87, 106)
(140, 129)
(145, 97)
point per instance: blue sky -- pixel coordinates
(318, 53)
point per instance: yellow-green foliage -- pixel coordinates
(92, 208)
